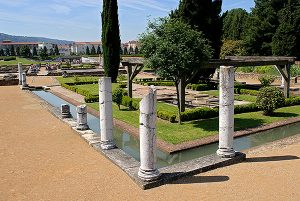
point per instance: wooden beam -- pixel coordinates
(282, 72)
(261, 58)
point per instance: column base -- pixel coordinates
(226, 153)
(148, 175)
(107, 145)
(82, 127)
(65, 115)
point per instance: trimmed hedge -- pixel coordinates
(292, 101)
(132, 104)
(166, 116)
(199, 113)
(202, 87)
(7, 58)
(166, 84)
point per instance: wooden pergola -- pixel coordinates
(283, 64)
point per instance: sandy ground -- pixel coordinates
(41, 158)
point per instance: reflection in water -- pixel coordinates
(130, 145)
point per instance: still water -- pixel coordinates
(130, 145)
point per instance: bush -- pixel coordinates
(117, 96)
(91, 98)
(166, 116)
(269, 99)
(292, 101)
(266, 80)
(249, 92)
(238, 109)
(202, 87)
(7, 58)
(199, 113)
(132, 104)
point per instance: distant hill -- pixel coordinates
(31, 39)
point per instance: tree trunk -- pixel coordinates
(178, 103)
(181, 90)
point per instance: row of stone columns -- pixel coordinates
(148, 169)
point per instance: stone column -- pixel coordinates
(148, 170)
(20, 71)
(82, 118)
(226, 112)
(282, 81)
(24, 83)
(106, 113)
(65, 111)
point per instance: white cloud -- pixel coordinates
(61, 9)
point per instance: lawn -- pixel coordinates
(77, 79)
(94, 88)
(22, 60)
(188, 131)
(238, 97)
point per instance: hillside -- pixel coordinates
(32, 39)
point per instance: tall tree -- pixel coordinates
(34, 51)
(136, 50)
(12, 51)
(130, 50)
(87, 50)
(18, 51)
(204, 16)
(7, 52)
(51, 51)
(176, 52)
(1, 52)
(56, 50)
(25, 51)
(125, 51)
(44, 53)
(111, 39)
(98, 50)
(93, 50)
(234, 24)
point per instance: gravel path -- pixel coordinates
(41, 158)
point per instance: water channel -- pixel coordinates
(130, 145)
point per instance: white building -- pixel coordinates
(80, 47)
(64, 50)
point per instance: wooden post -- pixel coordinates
(287, 82)
(129, 81)
(181, 89)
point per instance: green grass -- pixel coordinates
(24, 61)
(188, 131)
(77, 79)
(94, 88)
(240, 97)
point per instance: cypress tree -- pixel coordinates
(56, 50)
(34, 51)
(130, 50)
(98, 50)
(111, 39)
(87, 50)
(18, 51)
(12, 51)
(1, 52)
(7, 52)
(125, 51)
(93, 50)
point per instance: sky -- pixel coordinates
(79, 20)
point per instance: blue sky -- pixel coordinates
(79, 20)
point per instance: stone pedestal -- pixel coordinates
(106, 115)
(24, 82)
(148, 170)
(82, 118)
(226, 112)
(20, 72)
(65, 111)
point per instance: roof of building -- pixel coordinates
(19, 43)
(88, 43)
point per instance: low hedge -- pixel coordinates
(199, 113)
(166, 84)
(166, 116)
(7, 58)
(91, 98)
(132, 104)
(292, 101)
(245, 91)
(202, 87)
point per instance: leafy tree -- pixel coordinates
(234, 24)
(25, 51)
(273, 28)
(136, 50)
(111, 39)
(98, 50)
(18, 51)
(12, 51)
(87, 50)
(269, 99)
(93, 50)
(1, 52)
(56, 50)
(266, 80)
(34, 51)
(203, 16)
(176, 52)
(125, 51)
(7, 52)
(232, 48)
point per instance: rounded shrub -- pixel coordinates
(117, 96)
(269, 99)
(266, 80)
